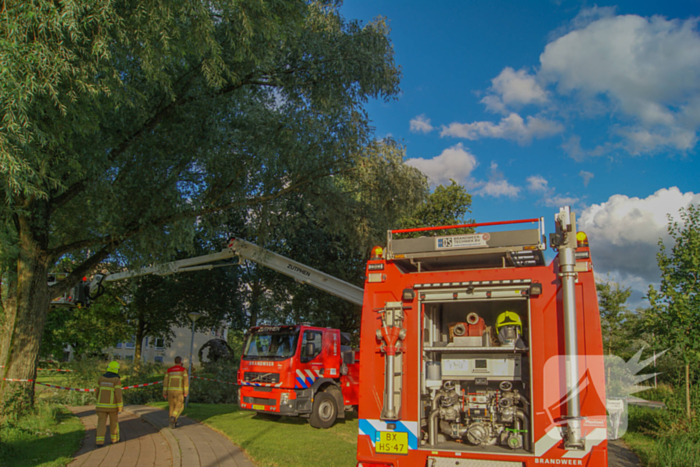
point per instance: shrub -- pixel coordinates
(210, 392)
(678, 451)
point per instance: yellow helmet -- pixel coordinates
(113, 367)
(508, 318)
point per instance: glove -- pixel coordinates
(165, 396)
(120, 410)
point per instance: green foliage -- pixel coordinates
(128, 124)
(87, 330)
(46, 437)
(674, 316)
(617, 321)
(212, 392)
(678, 451)
(446, 205)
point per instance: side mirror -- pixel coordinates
(310, 349)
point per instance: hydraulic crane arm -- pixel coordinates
(246, 250)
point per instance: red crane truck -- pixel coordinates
(476, 353)
(299, 370)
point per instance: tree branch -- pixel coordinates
(134, 229)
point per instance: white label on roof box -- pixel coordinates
(461, 241)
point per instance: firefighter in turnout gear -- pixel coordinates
(176, 387)
(109, 403)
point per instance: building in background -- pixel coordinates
(155, 350)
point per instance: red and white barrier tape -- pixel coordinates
(216, 380)
(68, 389)
(45, 369)
(142, 385)
(124, 388)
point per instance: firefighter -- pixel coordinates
(509, 329)
(176, 387)
(109, 402)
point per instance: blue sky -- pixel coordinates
(533, 105)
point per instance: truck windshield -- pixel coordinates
(271, 345)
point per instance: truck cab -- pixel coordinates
(298, 370)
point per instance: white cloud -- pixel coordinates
(512, 127)
(646, 69)
(586, 176)
(455, 163)
(537, 183)
(557, 201)
(498, 186)
(513, 89)
(421, 124)
(624, 232)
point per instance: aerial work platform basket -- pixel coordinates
(478, 250)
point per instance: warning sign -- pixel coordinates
(462, 241)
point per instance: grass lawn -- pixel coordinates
(47, 438)
(288, 442)
(642, 445)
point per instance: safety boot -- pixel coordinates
(172, 422)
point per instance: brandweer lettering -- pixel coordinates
(558, 461)
(299, 270)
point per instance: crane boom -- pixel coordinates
(246, 250)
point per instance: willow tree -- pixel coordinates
(125, 122)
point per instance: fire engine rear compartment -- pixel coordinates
(475, 390)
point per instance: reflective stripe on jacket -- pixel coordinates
(176, 379)
(109, 394)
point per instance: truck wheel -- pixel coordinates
(324, 411)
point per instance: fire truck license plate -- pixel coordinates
(392, 443)
(258, 407)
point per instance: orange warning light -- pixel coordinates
(377, 252)
(582, 239)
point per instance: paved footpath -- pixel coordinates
(146, 440)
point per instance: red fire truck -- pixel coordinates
(299, 370)
(476, 353)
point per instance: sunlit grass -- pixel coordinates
(46, 438)
(288, 442)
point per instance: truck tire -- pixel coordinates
(324, 411)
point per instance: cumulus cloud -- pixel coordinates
(537, 184)
(513, 127)
(645, 69)
(586, 176)
(513, 89)
(624, 232)
(549, 197)
(498, 186)
(421, 124)
(455, 163)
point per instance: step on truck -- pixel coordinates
(300, 370)
(477, 353)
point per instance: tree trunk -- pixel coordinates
(27, 314)
(140, 334)
(8, 320)
(687, 390)
(255, 295)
